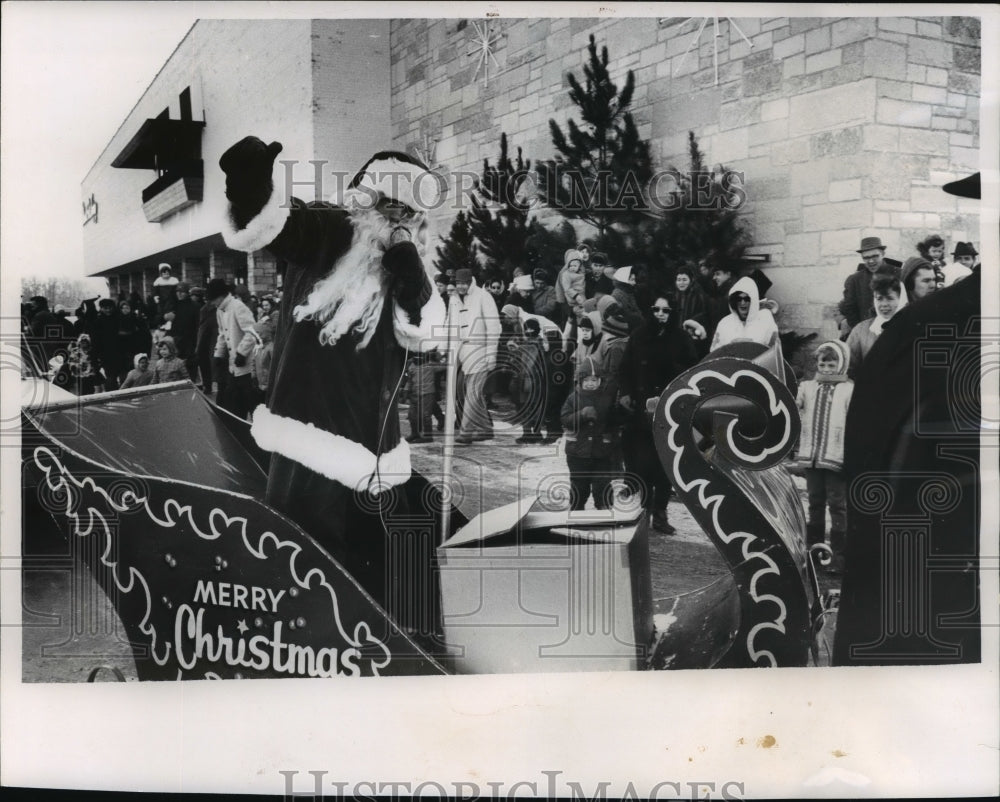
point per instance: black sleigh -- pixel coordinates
(162, 494)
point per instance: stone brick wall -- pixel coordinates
(351, 93)
(843, 127)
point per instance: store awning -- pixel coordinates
(159, 140)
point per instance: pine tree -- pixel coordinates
(499, 216)
(458, 249)
(701, 222)
(601, 170)
(546, 247)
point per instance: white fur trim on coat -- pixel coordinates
(262, 229)
(331, 455)
(429, 334)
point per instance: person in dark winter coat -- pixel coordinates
(610, 351)
(356, 299)
(113, 353)
(690, 303)
(589, 339)
(592, 421)
(656, 354)
(184, 328)
(558, 382)
(422, 372)
(47, 330)
(858, 302)
(165, 292)
(133, 334)
(207, 335)
(543, 297)
(528, 385)
(913, 433)
(625, 296)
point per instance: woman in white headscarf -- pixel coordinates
(748, 320)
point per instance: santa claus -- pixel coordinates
(358, 301)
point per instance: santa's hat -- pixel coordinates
(402, 178)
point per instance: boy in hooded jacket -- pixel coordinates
(140, 375)
(592, 423)
(823, 403)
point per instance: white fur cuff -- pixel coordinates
(429, 334)
(331, 455)
(263, 229)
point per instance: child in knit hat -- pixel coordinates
(529, 388)
(589, 338)
(592, 423)
(140, 375)
(823, 403)
(169, 368)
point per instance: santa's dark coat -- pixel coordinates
(912, 463)
(331, 419)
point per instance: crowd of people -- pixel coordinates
(582, 357)
(578, 357)
(172, 335)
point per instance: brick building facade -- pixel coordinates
(843, 127)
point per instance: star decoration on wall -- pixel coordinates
(242, 626)
(427, 152)
(484, 41)
(715, 40)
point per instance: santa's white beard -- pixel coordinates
(351, 297)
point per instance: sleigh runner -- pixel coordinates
(210, 582)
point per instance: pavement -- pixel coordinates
(71, 629)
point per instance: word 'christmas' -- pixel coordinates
(193, 643)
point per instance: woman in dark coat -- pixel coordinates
(690, 301)
(657, 352)
(132, 337)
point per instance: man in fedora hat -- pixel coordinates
(965, 263)
(858, 302)
(911, 580)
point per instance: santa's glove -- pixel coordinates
(408, 279)
(239, 360)
(247, 166)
